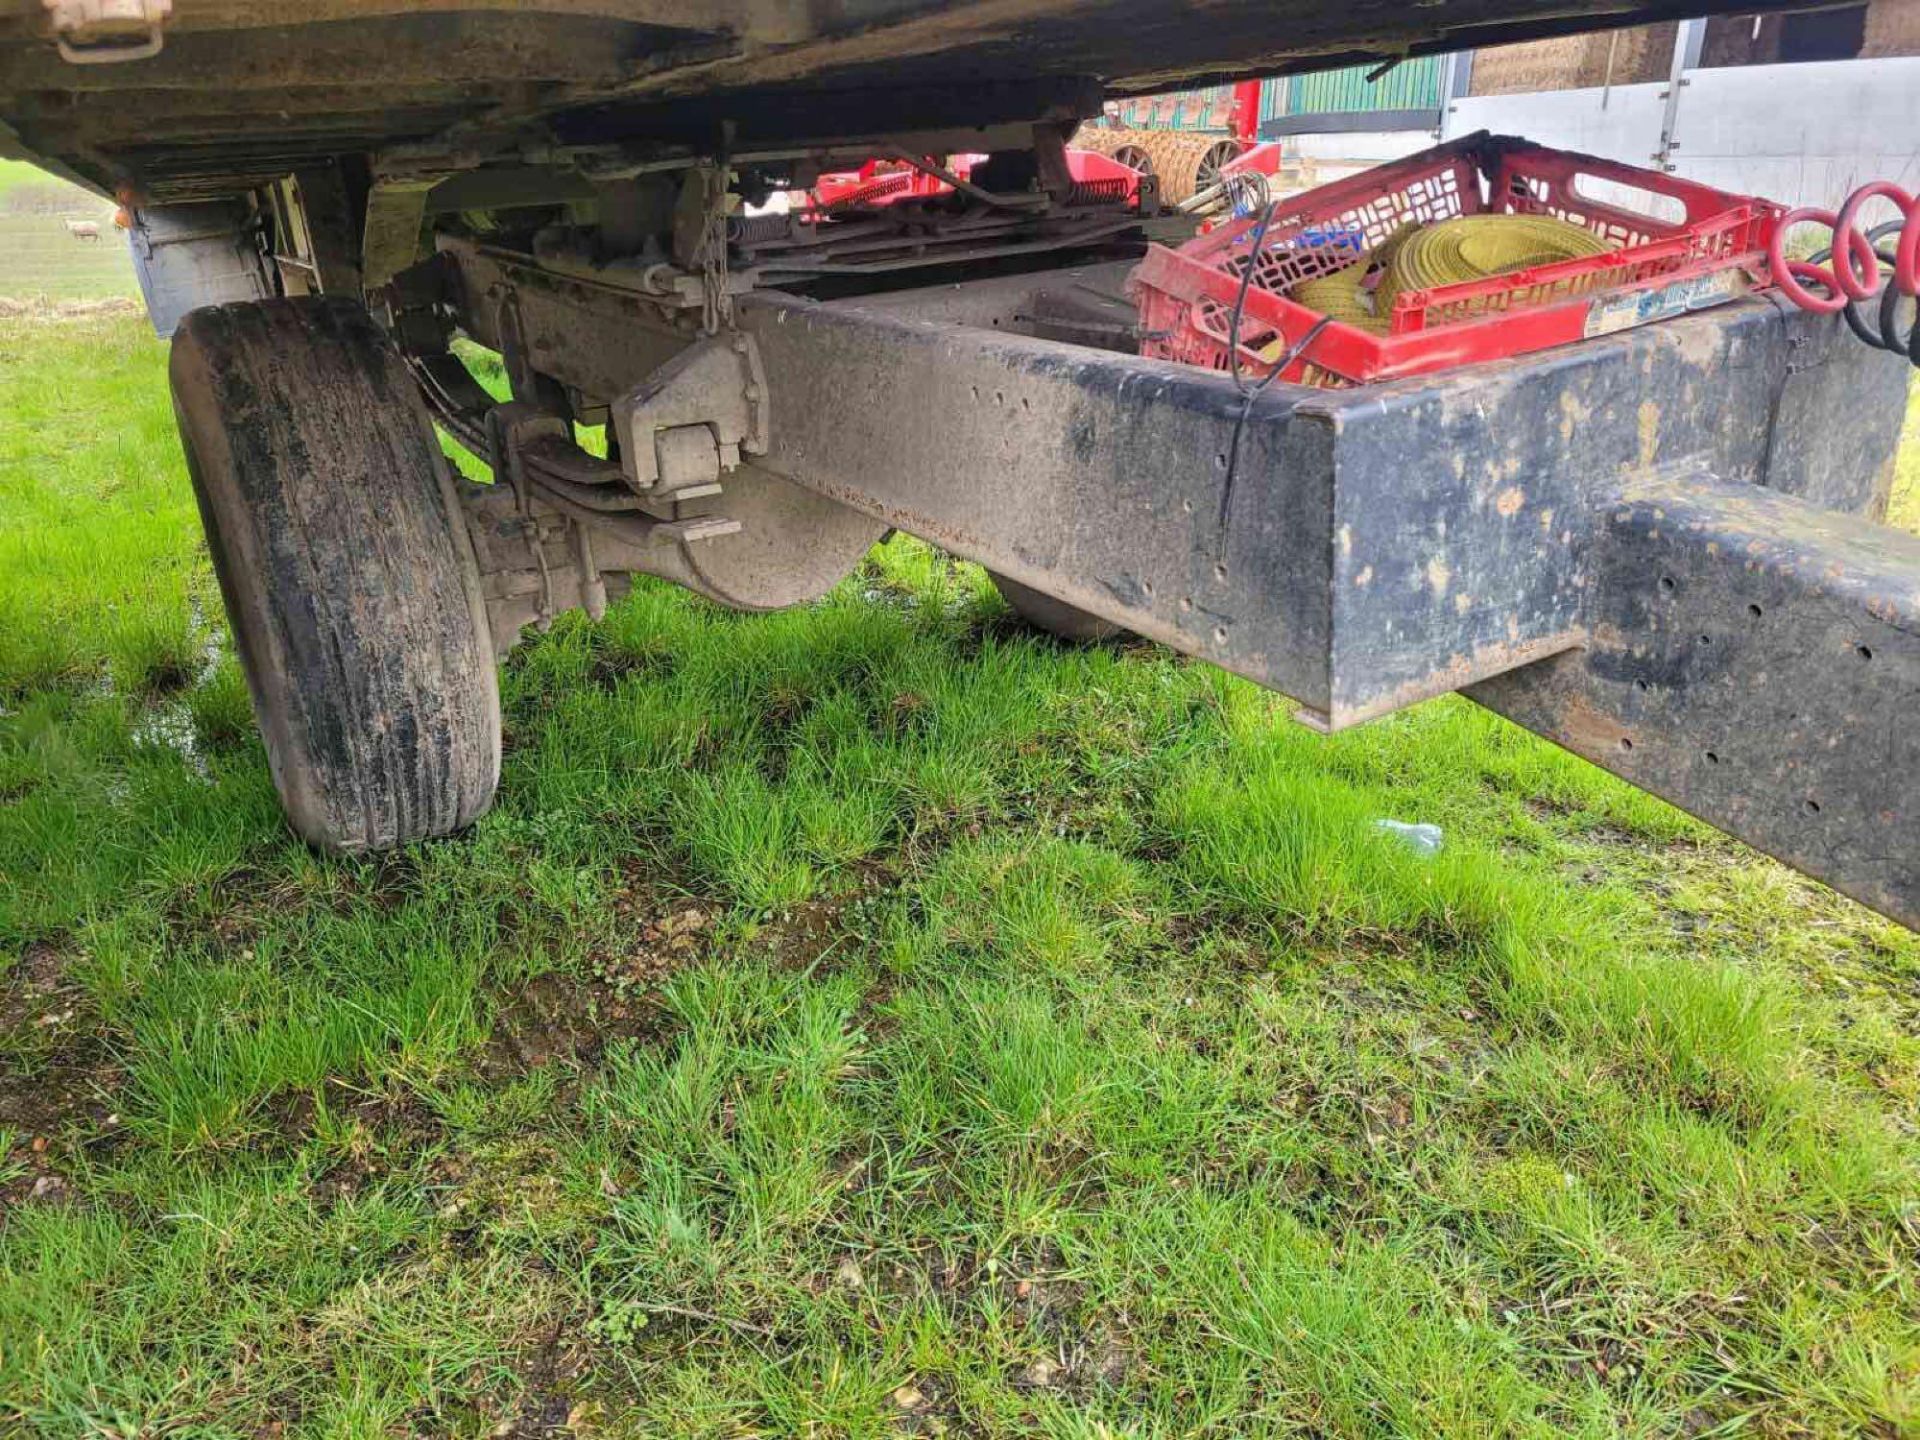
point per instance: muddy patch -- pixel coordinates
(58, 1081)
(33, 989)
(571, 1020)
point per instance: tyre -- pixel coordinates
(1056, 617)
(346, 568)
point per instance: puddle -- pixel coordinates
(170, 727)
(949, 602)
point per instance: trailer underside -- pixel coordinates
(1634, 547)
(1656, 548)
(240, 94)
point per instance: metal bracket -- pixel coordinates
(132, 29)
(396, 210)
(1687, 41)
(510, 427)
(525, 381)
(689, 422)
(557, 531)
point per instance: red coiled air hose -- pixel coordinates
(1858, 266)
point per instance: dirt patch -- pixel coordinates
(372, 1132)
(552, 1406)
(573, 1018)
(33, 989)
(57, 1083)
(562, 1017)
(802, 937)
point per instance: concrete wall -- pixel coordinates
(1805, 134)
(1802, 134)
(1618, 124)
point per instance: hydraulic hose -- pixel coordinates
(1856, 267)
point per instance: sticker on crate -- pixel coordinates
(1622, 312)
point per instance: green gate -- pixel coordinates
(1408, 96)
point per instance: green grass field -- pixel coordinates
(15, 173)
(39, 260)
(878, 1020)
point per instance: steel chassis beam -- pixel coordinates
(1650, 548)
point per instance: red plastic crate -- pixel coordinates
(1707, 248)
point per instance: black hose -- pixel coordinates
(1885, 333)
(1250, 393)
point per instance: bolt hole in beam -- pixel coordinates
(1823, 776)
(1666, 583)
(1626, 742)
(1865, 652)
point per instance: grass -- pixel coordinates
(16, 173)
(39, 260)
(875, 1019)
(1905, 508)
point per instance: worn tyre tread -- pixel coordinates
(346, 569)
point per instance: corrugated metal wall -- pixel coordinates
(1410, 85)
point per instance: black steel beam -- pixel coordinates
(1715, 638)
(1555, 534)
(1361, 549)
(1756, 661)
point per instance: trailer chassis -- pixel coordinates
(1642, 548)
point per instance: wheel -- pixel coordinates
(347, 571)
(1134, 158)
(1215, 160)
(1056, 617)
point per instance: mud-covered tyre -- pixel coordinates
(347, 571)
(1056, 617)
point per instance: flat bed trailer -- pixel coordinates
(1658, 548)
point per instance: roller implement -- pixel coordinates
(818, 273)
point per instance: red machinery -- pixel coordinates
(1186, 162)
(887, 182)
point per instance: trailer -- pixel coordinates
(1657, 547)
